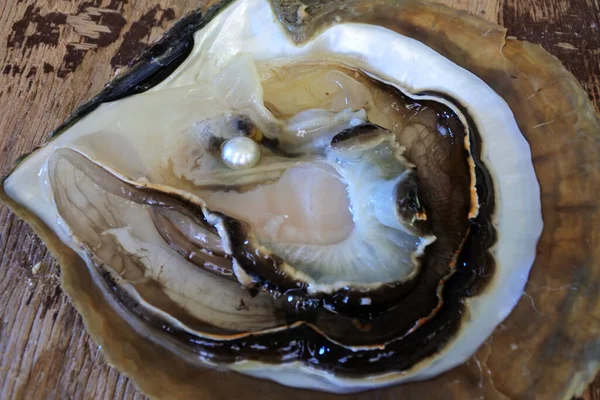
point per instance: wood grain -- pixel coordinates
(57, 53)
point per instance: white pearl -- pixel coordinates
(240, 153)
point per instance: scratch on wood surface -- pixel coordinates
(84, 26)
(567, 46)
(543, 124)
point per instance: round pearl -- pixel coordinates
(240, 153)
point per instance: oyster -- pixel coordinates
(388, 227)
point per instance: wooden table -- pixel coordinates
(55, 54)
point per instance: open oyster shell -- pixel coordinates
(499, 166)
